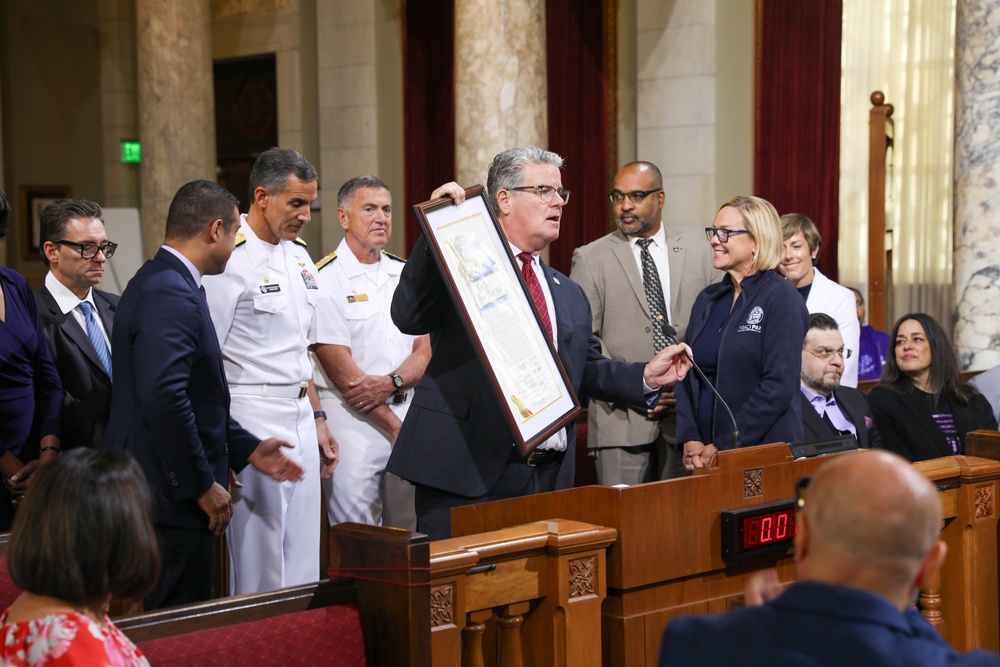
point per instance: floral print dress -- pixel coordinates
(67, 639)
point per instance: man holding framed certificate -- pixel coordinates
(456, 443)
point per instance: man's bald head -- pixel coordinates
(871, 522)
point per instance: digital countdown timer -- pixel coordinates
(750, 531)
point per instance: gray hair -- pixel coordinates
(507, 169)
(273, 168)
(348, 189)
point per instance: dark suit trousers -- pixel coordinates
(517, 479)
(186, 573)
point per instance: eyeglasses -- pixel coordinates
(89, 250)
(723, 234)
(801, 484)
(617, 196)
(826, 353)
(545, 192)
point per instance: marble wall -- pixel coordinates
(977, 173)
(500, 81)
(119, 93)
(675, 103)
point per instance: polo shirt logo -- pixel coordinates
(753, 321)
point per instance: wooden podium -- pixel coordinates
(667, 560)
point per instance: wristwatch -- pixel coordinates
(397, 382)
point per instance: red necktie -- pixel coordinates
(535, 288)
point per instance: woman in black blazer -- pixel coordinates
(921, 407)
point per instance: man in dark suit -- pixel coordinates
(170, 404)
(78, 317)
(867, 541)
(638, 278)
(455, 444)
(829, 409)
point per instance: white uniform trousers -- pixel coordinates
(274, 536)
(360, 489)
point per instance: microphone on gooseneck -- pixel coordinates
(671, 335)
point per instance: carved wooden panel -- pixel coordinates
(582, 577)
(984, 502)
(442, 605)
(753, 484)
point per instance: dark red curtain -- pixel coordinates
(797, 149)
(578, 111)
(429, 105)
(578, 118)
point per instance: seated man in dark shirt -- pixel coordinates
(867, 540)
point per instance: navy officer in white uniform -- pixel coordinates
(365, 378)
(268, 309)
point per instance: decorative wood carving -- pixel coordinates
(984, 502)
(753, 483)
(582, 572)
(442, 605)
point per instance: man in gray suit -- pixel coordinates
(638, 278)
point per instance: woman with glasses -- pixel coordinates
(30, 392)
(801, 244)
(746, 332)
(922, 407)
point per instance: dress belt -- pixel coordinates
(270, 390)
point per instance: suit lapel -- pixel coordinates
(675, 264)
(623, 252)
(563, 317)
(73, 331)
(178, 266)
(105, 312)
(856, 415)
(814, 426)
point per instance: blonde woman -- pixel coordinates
(746, 332)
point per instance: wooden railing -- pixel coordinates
(880, 140)
(667, 560)
(535, 587)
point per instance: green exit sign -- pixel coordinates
(131, 152)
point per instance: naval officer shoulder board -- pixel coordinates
(326, 260)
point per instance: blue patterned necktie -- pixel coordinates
(96, 337)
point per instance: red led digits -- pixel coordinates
(769, 528)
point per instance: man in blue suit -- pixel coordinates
(455, 444)
(170, 401)
(868, 530)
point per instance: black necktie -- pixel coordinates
(654, 296)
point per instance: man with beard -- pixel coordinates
(829, 409)
(637, 278)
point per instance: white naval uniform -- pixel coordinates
(266, 314)
(360, 490)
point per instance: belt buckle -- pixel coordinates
(399, 399)
(530, 461)
(303, 390)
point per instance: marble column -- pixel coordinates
(176, 105)
(501, 98)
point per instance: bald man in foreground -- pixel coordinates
(867, 541)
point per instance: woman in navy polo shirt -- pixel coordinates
(746, 332)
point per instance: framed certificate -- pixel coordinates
(487, 288)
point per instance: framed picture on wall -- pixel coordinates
(34, 198)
